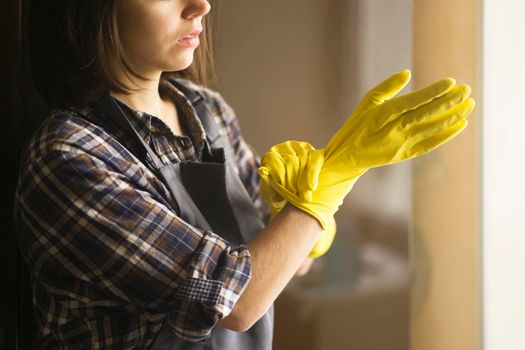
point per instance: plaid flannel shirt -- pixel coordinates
(110, 259)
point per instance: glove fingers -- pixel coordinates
(299, 148)
(272, 169)
(385, 90)
(439, 139)
(273, 165)
(281, 169)
(439, 106)
(385, 117)
(292, 148)
(292, 165)
(309, 174)
(434, 125)
(417, 98)
(299, 178)
(270, 196)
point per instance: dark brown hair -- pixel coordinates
(70, 43)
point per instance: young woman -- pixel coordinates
(138, 205)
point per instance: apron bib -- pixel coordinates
(210, 196)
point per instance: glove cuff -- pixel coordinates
(325, 242)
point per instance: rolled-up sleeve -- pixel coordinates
(107, 227)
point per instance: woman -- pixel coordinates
(144, 230)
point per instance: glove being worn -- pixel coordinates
(382, 130)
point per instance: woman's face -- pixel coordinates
(160, 35)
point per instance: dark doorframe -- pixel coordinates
(22, 110)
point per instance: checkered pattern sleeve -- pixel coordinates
(100, 238)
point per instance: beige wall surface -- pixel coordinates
(279, 66)
(446, 188)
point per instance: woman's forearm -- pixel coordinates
(277, 253)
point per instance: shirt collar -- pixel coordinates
(187, 113)
(142, 121)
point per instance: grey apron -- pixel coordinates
(210, 196)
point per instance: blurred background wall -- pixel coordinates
(295, 70)
(446, 227)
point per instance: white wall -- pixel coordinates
(504, 174)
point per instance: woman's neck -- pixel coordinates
(147, 98)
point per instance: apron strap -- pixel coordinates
(213, 135)
(187, 207)
(239, 197)
(109, 107)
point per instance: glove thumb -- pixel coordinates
(385, 90)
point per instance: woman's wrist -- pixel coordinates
(301, 216)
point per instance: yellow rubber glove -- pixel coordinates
(380, 131)
(287, 160)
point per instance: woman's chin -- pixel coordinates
(182, 62)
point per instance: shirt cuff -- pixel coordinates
(218, 275)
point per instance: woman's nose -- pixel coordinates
(196, 8)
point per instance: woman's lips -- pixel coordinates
(190, 41)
